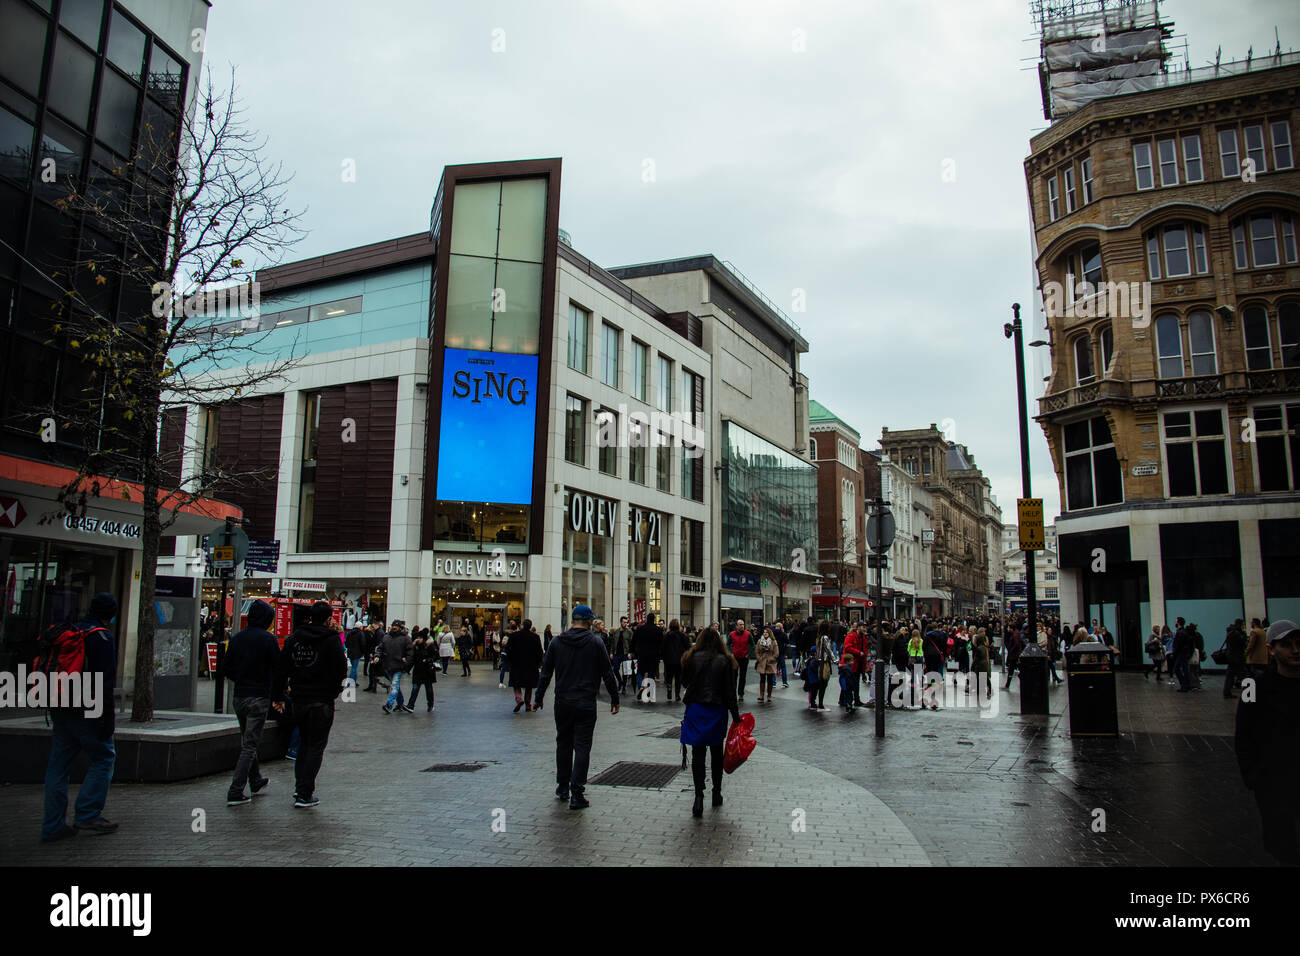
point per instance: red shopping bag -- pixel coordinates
(740, 743)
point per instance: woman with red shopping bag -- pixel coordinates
(709, 675)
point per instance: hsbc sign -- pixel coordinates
(12, 512)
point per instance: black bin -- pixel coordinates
(1090, 677)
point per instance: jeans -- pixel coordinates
(71, 734)
(1182, 670)
(505, 666)
(575, 726)
(446, 664)
(295, 739)
(785, 681)
(395, 695)
(618, 670)
(673, 678)
(352, 673)
(314, 720)
(464, 663)
(251, 712)
(741, 673)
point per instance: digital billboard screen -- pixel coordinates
(489, 421)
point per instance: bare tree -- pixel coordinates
(162, 310)
(841, 560)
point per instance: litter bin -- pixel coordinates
(1090, 677)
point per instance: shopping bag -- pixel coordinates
(740, 743)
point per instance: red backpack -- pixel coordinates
(62, 649)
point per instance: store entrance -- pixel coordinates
(485, 622)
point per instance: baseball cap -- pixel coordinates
(582, 612)
(1280, 630)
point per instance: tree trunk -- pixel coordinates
(150, 535)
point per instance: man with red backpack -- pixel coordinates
(86, 648)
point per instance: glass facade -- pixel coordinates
(494, 285)
(769, 501)
(57, 71)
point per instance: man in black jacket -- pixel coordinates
(250, 665)
(314, 665)
(374, 633)
(647, 647)
(579, 662)
(1235, 644)
(356, 648)
(399, 655)
(1268, 743)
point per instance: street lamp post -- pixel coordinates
(1033, 659)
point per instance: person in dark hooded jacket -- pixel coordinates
(250, 665)
(314, 666)
(675, 645)
(647, 646)
(579, 662)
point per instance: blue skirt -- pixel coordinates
(704, 725)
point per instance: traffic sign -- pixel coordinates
(880, 531)
(236, 538)
(223, 558)
(1029, 511)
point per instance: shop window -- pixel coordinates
(1277, 446)
(1195, 453)
(1092, 473)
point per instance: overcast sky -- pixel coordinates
(806, 143)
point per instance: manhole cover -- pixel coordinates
(453, 768)
(627, 773)
(672, 733)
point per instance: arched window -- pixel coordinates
(813, 448)
(1107, 349)
(1169, 346)
(1083, 370)
(1177, 249)
(1259, 349)
(1201, 334)
(1288, 322)
(1264, 239)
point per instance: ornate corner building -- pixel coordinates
(965, 520)
(1165, 209)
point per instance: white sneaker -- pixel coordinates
(502, 686)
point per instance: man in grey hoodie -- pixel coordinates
(579, 662)
(250, 665)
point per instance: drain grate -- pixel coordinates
(627, 773)
(453, 768)
(672, 733)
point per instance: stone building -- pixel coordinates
(961, 522)
(1164, 227)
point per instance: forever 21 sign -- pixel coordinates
(599, 516)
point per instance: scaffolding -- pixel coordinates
(1092, 49)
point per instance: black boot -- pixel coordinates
(717, 798)
(698, 809)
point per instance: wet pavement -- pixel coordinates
(944, 787)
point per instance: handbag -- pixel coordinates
(740, 743)
(1221, 655)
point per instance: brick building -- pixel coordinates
(1165, 239)
(841, 512)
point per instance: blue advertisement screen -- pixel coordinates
(489, 417)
